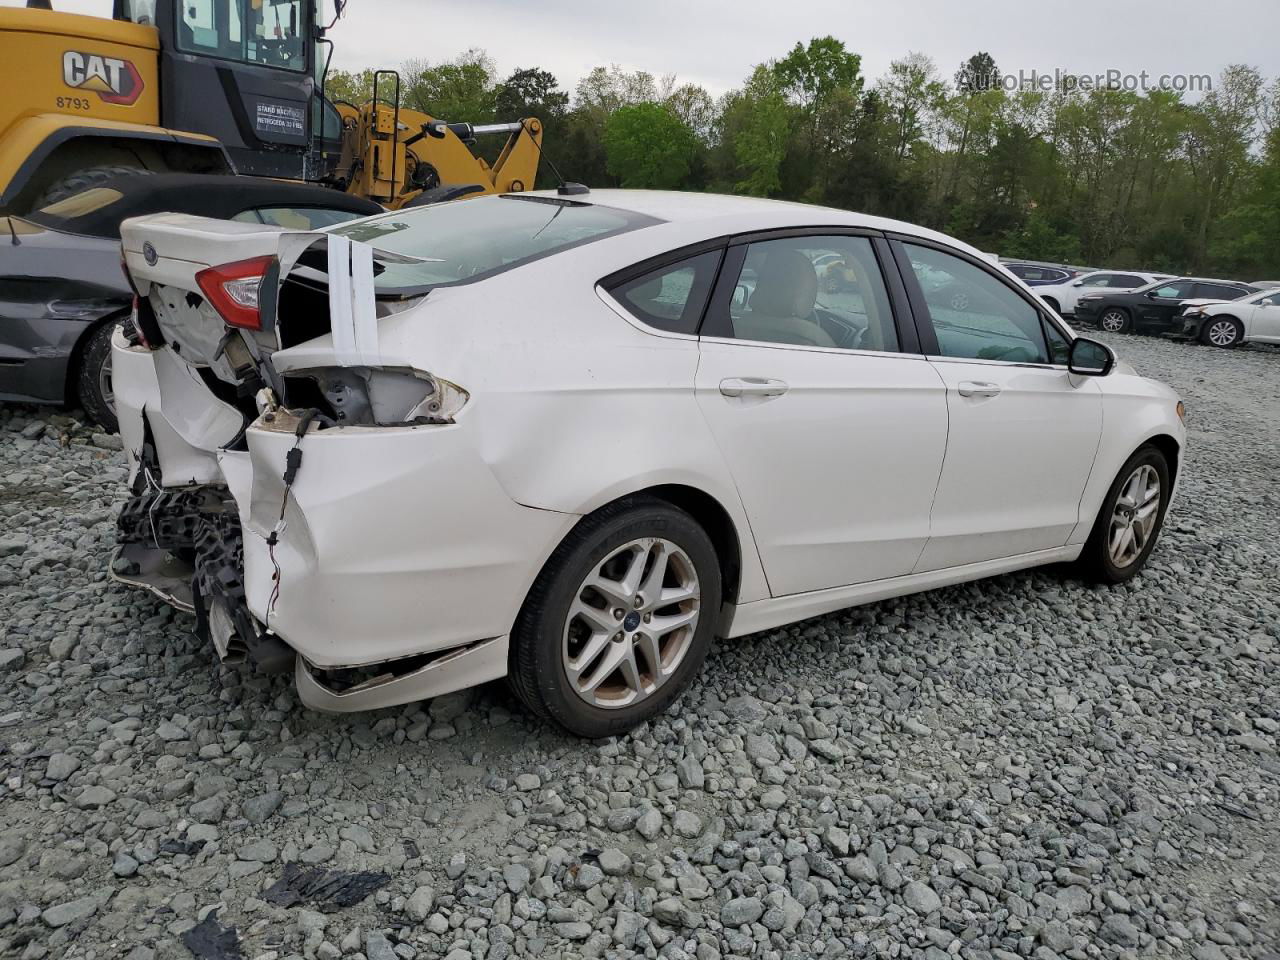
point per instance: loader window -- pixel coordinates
(249, 31)
(136, 11)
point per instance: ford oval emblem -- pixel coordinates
(149, 254)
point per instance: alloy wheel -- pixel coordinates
(1134, 516)
(1223, 333)
(1113, 321)
(631, 623)
(104, 384)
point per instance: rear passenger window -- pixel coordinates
(1218, 290)
(672, 297)
(819, 291)
(1125, 280)
(974, 314)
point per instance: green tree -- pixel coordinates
(648, 146)
(353, 88)
(978, 74)
(912, 95)
(531, 93)
(756, 126)
(809, 74)
(459, 90)
(1217, 145)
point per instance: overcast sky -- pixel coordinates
(716, 42)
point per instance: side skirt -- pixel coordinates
(778, 611)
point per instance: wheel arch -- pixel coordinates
(709, 513)
(1151, 422)
(76, 357)
(44, 149)
(1170, 448)
(1213, 318)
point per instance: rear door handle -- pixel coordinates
(977, 388)
(752, 387)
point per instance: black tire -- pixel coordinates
(1054, 305)
(1096, 562)
(1208, 332)
(1121, 321)
(536, 669)
(93, 378)
(83, 180)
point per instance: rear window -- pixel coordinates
(467, 240)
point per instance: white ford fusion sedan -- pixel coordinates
(571, 439)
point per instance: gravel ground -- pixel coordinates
(1023, 767)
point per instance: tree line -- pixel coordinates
(1105, 177)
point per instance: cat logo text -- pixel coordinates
(112, 79)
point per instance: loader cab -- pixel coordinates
(244, 71)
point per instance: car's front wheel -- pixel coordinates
(1114, 320)
(1129, 522)
(1222, 332)
(619, 620)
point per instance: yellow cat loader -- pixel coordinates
(208, 86)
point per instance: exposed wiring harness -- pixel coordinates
(292, 463)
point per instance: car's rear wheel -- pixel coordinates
(1130, 520)
(1114, 320)
(1054, 305)
(619, 620)
(1222, 332)
(93, 379)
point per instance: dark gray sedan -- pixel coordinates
(62, 289)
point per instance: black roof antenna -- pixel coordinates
(567, 188)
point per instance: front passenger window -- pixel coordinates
(974, 315)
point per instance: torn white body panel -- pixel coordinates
(379, 559)
(187, 428)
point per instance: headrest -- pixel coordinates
(786, 285)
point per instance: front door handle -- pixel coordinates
(978, 388)
(752, 387)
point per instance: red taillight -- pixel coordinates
(232, 289)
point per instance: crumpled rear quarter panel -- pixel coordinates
(397, 541)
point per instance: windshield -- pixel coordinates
(250, 31)
(467, 240)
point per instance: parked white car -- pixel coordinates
(1254, 318)
(571, 440)
(1063, 296)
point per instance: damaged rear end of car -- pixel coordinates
(268, 419)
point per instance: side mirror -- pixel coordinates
(1089, 358)
(1078, 283)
